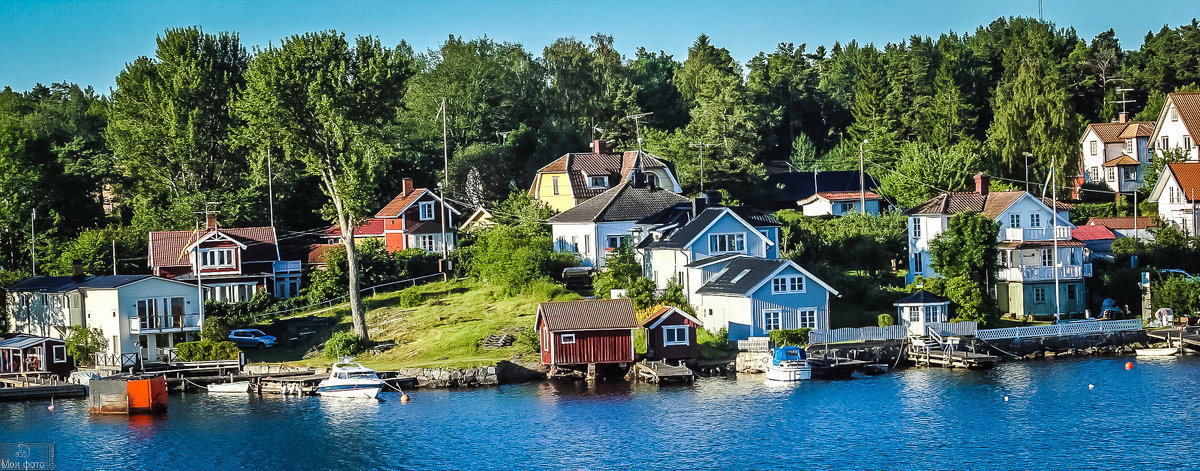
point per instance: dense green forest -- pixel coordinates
(201, 120)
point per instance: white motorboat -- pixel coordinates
(236, 387)
(1155, 352)
(788, 364)
(349, 379)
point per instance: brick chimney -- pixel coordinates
(407, 186)
(210, 220)
(77, 271)
(1122, 118)
(981, 184)
(599, 146)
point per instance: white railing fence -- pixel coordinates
(1052, 330)
(754, 344)
(861, 334)
(119, 360)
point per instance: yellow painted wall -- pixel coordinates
(545, 191)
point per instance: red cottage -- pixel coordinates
(235, 262)
(24, 353)
(413, 219)
(671, 335)
(590, 332)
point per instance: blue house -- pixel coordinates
(669, 248)
(751, 296)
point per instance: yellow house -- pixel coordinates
(578, 176)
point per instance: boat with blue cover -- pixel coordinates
(788, 363)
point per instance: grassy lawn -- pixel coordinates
(443, 331)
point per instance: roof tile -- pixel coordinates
(166, 247)
(589, 314)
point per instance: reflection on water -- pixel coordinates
(923, 418)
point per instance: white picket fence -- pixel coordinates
(1054, 330)
(860, 334)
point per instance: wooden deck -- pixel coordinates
(951, 359)
(17, 388)
(660, 371)
(1189, 335)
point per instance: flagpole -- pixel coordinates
(1054, 217)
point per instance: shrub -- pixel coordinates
(343, 344)
(528, 340)
(215, 329)
(546, 290)
(410, 298)
(206, 350)
(886, 320)
(797, 337)
(84, 342)
(714, 346)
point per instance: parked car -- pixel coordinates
(251, 338)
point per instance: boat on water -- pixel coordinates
(349, 379)
(236, 387)
(1155, 352)
(788, 363)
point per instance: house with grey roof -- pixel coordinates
(142, 317)
(750, 296)
(609, 220)
(578, 176)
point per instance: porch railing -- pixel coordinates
(138, 324)
(1054, 330)
(860, 334)
(754, 344)
(117, 360)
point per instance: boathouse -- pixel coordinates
(28, 354)
(671, 335)
(586, 333)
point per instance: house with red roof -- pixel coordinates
(1115, 154)
(841, 203)
(586, 333)
(234, 263)
(1178, 124)
(1178, 196)
(417, 218)
(1097, 239)
(578, 176)
(372, 228)
(1142, 227)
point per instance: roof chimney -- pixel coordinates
(699, 204)
(599, 146)
(77, 270)
(407, 186)
(210, 220)
(981, 184)
(1122, 118)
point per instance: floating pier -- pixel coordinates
(1190, 339)
(832, 366)
(26, 387)
(661, 371)
(951, 358)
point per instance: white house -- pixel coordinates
(141, 316)
(1028, 262)
(1178, 196)
(608, 220)
(840, 203)
(1177, 125)
(1115, 154)
(751, 296)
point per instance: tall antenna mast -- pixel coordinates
(1123, 100)
(701, 146)
(637, 129)
(33, 243)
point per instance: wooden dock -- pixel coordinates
(833, 367)
(17, 388)
(951, 359)
(1189, 336)
(661, 371)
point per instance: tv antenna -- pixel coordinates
(1123, 101)
(636, 126)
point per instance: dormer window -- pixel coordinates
(426, 208)
(217, 258)
(652, 180)
(598, 182)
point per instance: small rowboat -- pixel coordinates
(1156, 352)
(237, 387)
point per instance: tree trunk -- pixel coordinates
(357, 314)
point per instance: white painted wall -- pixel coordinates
(1174, 130)
(1181, 213)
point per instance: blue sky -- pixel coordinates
(89, 42)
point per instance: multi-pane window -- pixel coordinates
(1129, 145)
(217, 258)
(787, 284)
(1039, 295)
(1093, 144)
(675, 335)
(916, 227)
(430, 242)
(160, 313)
(914, 313)
(1071, 294)
(1035, 220)
(1166, 144)
(1174, 114)
(808, 318)
(917, 265)
(598, 182)
(772, 320)
(1187, 142)
(617, 241)
(723, 243)
(1112, 174)
(847, 208)
(554, 184)
(1014, 220)
(426, 208)
(1047, 258)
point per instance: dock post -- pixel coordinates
(591, 373)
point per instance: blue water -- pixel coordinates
(909, 419)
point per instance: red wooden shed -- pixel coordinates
(24, 353)
(589, 332)
(671, 335)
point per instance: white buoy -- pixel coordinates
(1005, 398)
(1091, 386)
(51, 408)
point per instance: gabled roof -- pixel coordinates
(746, 274)
(62, 284)
(1122, 160)
(1092, 233)
(662, 314)
(991, 205)
(921, 297)
(616, 166)
(1187, 104)
(595, 314)
(167, 248)
(1187, 175)
(1108, 133)
(23, 341)
(372, 227)
(401, 202)
(1121, 223)
(623, 202)
(839, 196)
(685, 235)
(1138, 129)
(790, 187)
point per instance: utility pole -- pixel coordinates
(270, 187)
(114, 256)
(1027, 156)
(862, 187)
(33, 243)
(446, 182)
(701, 146)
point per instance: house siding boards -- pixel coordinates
(594, 346)
(656, 348)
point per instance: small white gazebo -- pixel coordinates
(920, 309)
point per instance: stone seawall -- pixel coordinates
(504, 372)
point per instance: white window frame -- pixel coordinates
(59, 353)
(916, 227)
(425, 208)
(1111, 174)
(598, 181)
(772, 316)
(651, 180)
(566, 339)
(617, 241)
(554, 185)
(1174, 114)
(218, 257)
(1035, 220)
(1014, 221)
(913, 313)
(1047, 257)
(1093, 147)
(1129, 145)
(1187, 142)
(1166, 143)
(680, 332)
(807, 317)
(788, 284)
(429, 242)
(733, 242)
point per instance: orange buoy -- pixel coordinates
(404, 398)
(1129, 365)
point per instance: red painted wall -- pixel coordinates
(594, 346)
(655, 350)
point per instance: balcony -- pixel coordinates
(287, 266)
(150, 325)
(1038, 273)
(1036, 233)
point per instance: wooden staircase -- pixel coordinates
(497, 341)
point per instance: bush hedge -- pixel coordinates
(207, 350)
(797, 337)
(344, 344)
